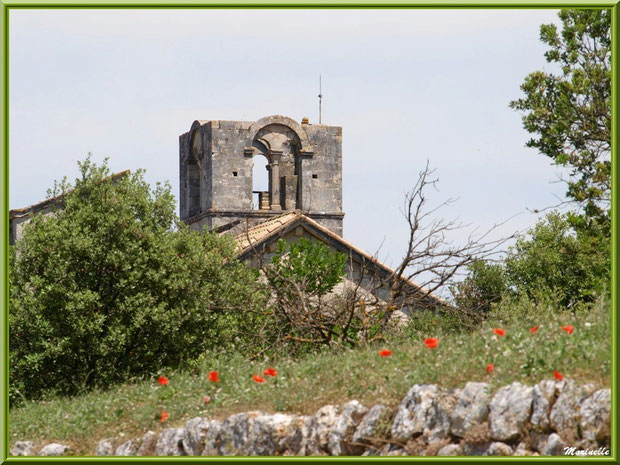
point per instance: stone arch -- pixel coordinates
(197, 124)
(276, 138)
(293, 125)
(261, 183)
(283, 141)
(194, 129)
(196, 144)
(261, 147)
(194, 171)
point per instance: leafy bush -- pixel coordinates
(113, 285)
(310, 265)
(561, 261)
(485, 284)
(558, 259)
(305, 313)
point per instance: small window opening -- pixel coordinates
(314, 176)
(235, 174)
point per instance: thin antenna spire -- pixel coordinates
(320, 97)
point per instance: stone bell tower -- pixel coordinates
(304, 164)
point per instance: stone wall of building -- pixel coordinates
(216, 161)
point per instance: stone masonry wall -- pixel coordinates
(550, 418)
(216, 160)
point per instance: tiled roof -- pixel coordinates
(20, 212)
(272, 227)
(261, 231)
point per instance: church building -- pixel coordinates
(302, 197)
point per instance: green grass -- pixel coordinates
(330, 377)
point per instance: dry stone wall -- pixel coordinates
(551, 418)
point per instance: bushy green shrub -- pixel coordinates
(556, 258)
(113, 285)
(309, 264)
(305, 312)
(564, 260)
(485, 284)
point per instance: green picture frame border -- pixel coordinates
(7, 6)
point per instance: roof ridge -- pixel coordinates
(50, 200)
(266, 223)
(299, 214)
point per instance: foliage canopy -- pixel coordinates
(307, 312)
(113, 285)
(554, 262)
(565, 258)
(573, 265)
(570, 113)
(310, 264)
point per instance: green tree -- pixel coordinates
(555, 260)
(485, 284)
(113, 285)
(569, 113)
(310, 265)
(306, 311)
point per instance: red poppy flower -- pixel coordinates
(258, 379)
(213, 376)
(499, 332)
(569, 329)
(490, 368)
(207, 400)
(270, 372)
(558, 375)
(164, 416)
(534, 329)
(385, 353)
(431, 342)
(163, 380)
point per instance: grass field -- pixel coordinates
(331, 377)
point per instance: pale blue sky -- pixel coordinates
(405, 85)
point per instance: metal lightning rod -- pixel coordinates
(320, 97)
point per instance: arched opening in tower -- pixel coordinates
(260, 183)
(194, 174)
(194, 186)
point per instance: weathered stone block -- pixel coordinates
(510, 409)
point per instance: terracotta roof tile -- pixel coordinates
(19, 212)
(257, 234)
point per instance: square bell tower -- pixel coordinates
(218, 175)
